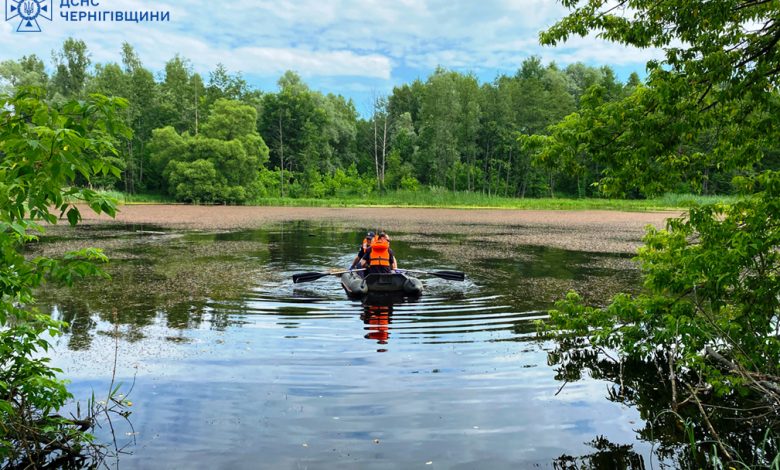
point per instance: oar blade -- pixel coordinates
(450, 275)
(307, 277)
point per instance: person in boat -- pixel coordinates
(362, 252)
(379, 258)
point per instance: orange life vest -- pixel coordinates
(380, 253)
(366, 243)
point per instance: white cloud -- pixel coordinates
(373, 39)
(598, 51)
(274, 61)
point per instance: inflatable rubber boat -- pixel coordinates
(391, 283)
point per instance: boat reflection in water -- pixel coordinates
(377, 319)
(377, 315)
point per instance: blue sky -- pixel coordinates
(358, 48)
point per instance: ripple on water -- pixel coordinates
(438, 316)
(299, 376)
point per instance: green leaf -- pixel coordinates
(74, 217)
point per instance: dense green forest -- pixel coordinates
(220, 140)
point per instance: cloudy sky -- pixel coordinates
(354, 47)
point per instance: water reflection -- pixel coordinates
(234, 364)
(377, 319)
(741, 421)
(607, 455)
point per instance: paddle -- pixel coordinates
(448, 275)
(308, 277)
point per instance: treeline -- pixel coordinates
(221, 140)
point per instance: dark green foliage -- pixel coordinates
(179, 94)
(223, 85)
(710, 313)
(165, 145)
(230, 120)
(220, 165)
(71, 63)
(136, 84)
(710, 279)
(27, 71)
(447, 131)
(592, 136)
(724, 42)
(708, 112)
(198, 181)
(44, 150)
(644, 151)
(340, 183)
(440, 113)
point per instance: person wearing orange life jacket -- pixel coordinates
(379, 258)
(363, 248)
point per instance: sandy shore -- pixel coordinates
(594, 231)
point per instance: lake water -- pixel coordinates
(233, 366)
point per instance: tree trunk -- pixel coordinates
(196, 112)
(281, 156)
(579, 186)
(129, 167)
(376, 153)
(487, 165)
(141, 164)
(384, 150)
(454, 176)
(524, 185)
(508, 173)
(552, 184)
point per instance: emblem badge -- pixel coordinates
(28, 12)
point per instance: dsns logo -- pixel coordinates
(28, 12)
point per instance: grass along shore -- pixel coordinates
(460, 199)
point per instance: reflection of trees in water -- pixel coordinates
(606, 456)
(740, 421)
(83, 317)
(167, 280)
(168, 284)
(80, 323)
(172, 282)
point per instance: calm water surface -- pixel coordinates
(233, 366)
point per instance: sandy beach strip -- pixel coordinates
(594, 231)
